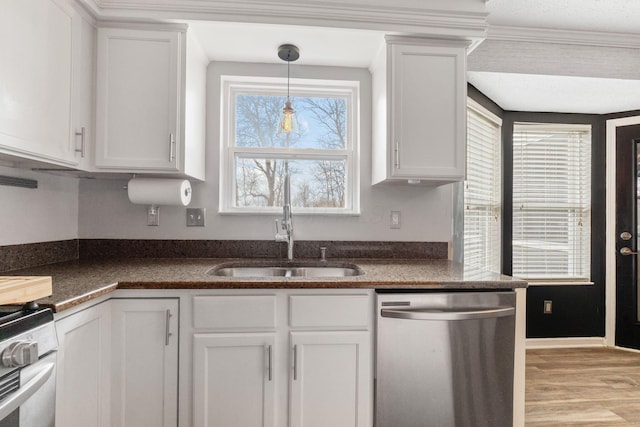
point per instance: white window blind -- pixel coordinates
(482, 193)
(552, 202)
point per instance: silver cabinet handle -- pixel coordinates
(627, 251)
(397, 151)
(167, 327)
(295, 362)
(14, 400)
(270, 355)
(447, 314)
(81, 134)
(172, 143)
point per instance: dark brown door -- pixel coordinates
(627, 236)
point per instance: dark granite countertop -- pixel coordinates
(75, 282)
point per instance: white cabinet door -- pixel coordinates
(83, 379)
(138, 98)
(83, 93)
(234, 379)
(37, 41)
(428, 106)
(144, 364)
(420, 92)
(330, 379)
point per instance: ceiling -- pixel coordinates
(610, 16)
(577, 72)
(588, 76)
(259, 43)
(560, 94)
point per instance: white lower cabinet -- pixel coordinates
(83, 377)
(300, 360)
(118, 364)
(235, 386)
(331, 374)
(144, 368)
(252, 359)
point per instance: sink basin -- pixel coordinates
(286, 269)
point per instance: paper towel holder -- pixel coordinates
(153, 213)
(154, 192)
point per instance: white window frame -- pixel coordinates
(497, 190)
(574, 279)
(232, 85)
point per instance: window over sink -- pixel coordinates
(320, 154)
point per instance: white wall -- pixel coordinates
(44, 214)
(105, 211)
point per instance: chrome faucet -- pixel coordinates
(287, 224)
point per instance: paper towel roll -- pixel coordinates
(162, 192)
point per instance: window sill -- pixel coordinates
(559, 283)
(295, 213)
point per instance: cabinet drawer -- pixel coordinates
(234, 312)
(342, 311)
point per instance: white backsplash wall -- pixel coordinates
(426, 213)
(44, 214)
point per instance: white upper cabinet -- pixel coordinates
(83, 95)
(419, 111)
(149, 80)
(41, 45)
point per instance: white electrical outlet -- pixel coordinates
(395, 219)
(548, 307)
(195, 217)
(153, 216)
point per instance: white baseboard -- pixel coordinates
(632, 350)
(532, 343)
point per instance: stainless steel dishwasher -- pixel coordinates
(445, 359)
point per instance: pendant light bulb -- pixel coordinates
(287, 117)
(288, 53)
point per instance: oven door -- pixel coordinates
(33, 404)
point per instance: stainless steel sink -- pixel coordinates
(286, 269)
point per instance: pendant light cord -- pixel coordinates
(288, 65)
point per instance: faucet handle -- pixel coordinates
(277, 226)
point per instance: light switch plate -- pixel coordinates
(195, 217)
(394, 221)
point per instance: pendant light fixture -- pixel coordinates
(288, 53)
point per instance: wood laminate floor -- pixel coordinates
(582, 387)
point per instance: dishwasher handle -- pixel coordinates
(447, 314)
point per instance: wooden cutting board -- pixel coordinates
(21, 289)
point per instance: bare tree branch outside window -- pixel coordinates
(316, 182)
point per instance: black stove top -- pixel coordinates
(16, 319)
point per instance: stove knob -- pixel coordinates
(20, 353)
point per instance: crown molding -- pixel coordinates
(574, 37)
(408, 20)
